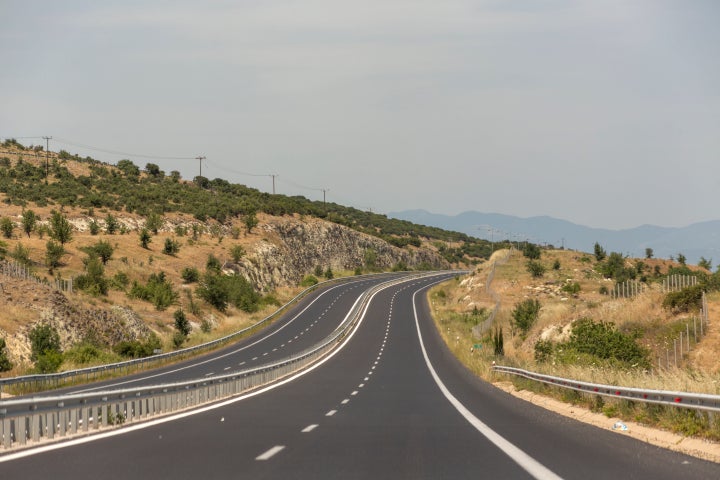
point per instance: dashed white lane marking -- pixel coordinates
(366, 379)
(361, 385)
(265, 354)
(355, 392)
(208, 374)
(345, 401)
(227, 368)
(331, 413)
(241, 364)
(255, 358)
(270, 453)
(310, 428)
(274, 349)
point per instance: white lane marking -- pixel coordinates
(344, 402)
(270, 453)
(140, 426)
(255, 358)
(529, 464)
(361, 385)
(274, 349)
(265, 354)
(366, 379)
(355, 392)
(241, 364)
(208, 374)
(331, 413)
(227, 368)
(310, 428)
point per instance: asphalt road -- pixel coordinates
(391, 403)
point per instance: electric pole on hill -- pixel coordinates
(273, 178)
(200, 158)
(324, 190)
(47, 154)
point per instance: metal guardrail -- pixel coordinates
(697, 401)
(91, 373)
(47, 418)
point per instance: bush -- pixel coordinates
(543, 350)
(93, 281)
(172, 247)
(137, 349)
(573, 288)
(237, 252)
(190, 274)
(43, 338)
(309, 281)
(684, 300)
(602, 340)
(53, 254)
(535, 268)
(525, 314)
(48, 362)
(158, 291)
(181, 323)
(6, 227)
(223, 290)
(531, 251)
(145, 238)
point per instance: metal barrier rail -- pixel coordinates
(697, 401)
(91, 373)
(47, 418)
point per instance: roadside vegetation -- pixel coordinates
(568, 322)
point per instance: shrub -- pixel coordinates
(102, 249)
(6, 227)
(145, 238)
(237, 252)
(190, 274)
(53, 254)
(29, 220)
(531, 251)
(556, 264)
(154, 223)
(172, 247)
(137, 349)
(60, 228)
(498, 342)
(600, 253)
(94, 227)
(525, 314)
(111, 225)
(543, 350)
(157, 291)
(602, 340)
(43, 338)
(309, 281)
(223, 290)
(93, 281)
(573, 288)
(535, 268)
(684, 300)
(21, 253)
(213, 264)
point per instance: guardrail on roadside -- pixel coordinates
(697, 401)
(36, 382)
(46, 418)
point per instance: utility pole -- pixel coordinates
(324, 190)
(273, 179)
(200, 158)
(47, 159)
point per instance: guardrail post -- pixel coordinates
(6, 435)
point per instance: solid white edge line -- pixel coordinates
(98, 436)
(270, 453)
(529, 464)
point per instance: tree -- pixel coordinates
(129, 168)
(525, 314)
(681, 259)
(649, 253)
(213, 264)
(145, 238)
(498, 342)
(102, 249)
(251, 221)
(5, 363)
(600, 253)
(182, 325)
(705, 263)
(154, 223)
(153, 170)
(93, 281)
(60, 228)
(29, 220)
(111, 224)
(53, 254)
(329, 273)
(6, 227)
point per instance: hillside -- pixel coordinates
(144, 248)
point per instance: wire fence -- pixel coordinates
(480, 329)
(15, 269)
(685, 339)
(674, 283)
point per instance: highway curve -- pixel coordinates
(391, 403)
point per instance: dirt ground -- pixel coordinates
(690, 446)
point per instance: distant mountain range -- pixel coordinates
(694, 241)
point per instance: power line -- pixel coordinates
(115, 152)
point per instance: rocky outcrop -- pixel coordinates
(73, 323)
(291, 249)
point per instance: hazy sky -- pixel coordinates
(602, 112)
